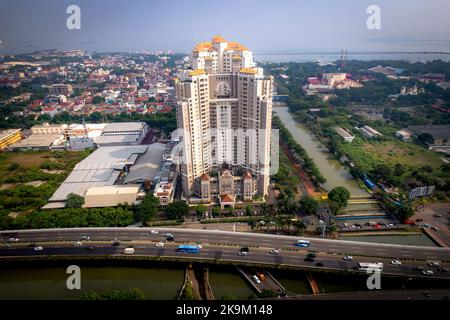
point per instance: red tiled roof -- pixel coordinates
(227, 198)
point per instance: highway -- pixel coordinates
(223, 245)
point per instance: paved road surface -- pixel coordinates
(223, 245)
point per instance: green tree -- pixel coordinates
(74, 201)
(216, 211)
(425, 138)
(339, 198)
(14, 166)
(177, 210)
(299, 227)
(249, 210)
(98, 100)
(148, 209)
(130, 294)
(188, 292)
(228, 297)
(308, 205)
(268, 294)
(200, 210)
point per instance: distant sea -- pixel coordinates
(367, 56)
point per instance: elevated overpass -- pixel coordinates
(222, 247)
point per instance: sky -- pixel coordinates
(265, 26)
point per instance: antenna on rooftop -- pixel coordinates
(343, 59)
(85, 128)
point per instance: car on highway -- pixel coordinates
(442, 269)
(433, 264)
(437, 215)
(434, 228)
(38, 248)
(85, 238)
(78, 244)
(244, 249)
(309, 259)
(427, 272)
(427, 294)
(242, 253)
(319, 264)
(348, 258)
(116, 243)
(13, 239)
(416, 268)
(169, 237)
(311, 255)
(256, 279)
(275, 251)
(396, 262)
(90, 248)
(153, 231)
(128, 250)
(159, 244)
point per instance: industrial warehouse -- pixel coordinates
(113, 175)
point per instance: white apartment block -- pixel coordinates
(224, 107)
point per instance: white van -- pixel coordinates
(129, 250)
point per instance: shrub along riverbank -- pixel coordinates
(308, 164)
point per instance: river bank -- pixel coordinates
(333, 171)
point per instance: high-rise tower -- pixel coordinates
(224, 108)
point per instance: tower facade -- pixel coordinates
(224, 109)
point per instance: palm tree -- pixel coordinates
(264, 209)
(278, 223)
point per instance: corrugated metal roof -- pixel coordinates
(101, 168)
(147, 165)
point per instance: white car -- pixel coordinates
(13, 239)
(78, 244)
(427, 272)
(243, 253)
(396, 262)
(85, 238)
(433, 264)
(38, 248)
(275, 251)
(348, 258)
(256, 279)
(159, 244)
(154, 231)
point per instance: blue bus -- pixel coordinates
(188, 248)
(303, 243)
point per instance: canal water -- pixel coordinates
(335, 173)
(227, 281)
(49, 282)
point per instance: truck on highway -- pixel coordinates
(129, 250)
(370, 266)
